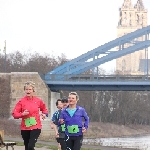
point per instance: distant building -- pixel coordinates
(131, 18)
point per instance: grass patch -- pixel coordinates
(88, 149)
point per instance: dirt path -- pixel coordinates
(22, 148)
(45, 148)
(55, 143)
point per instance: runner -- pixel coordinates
(72, 116)
(54, 121)
(60, 129)
(27, 108)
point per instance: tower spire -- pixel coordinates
(139, 5)
(127, 4)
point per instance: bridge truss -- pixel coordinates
(103, 54)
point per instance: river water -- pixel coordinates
(138, 142)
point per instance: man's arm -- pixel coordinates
(51, 124)
(56, 130)
(53, 120)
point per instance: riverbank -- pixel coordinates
(108, 130)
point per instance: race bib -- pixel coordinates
(73, 129)
(63, 127)
(30, 121)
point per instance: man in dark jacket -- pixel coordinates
(60, 128)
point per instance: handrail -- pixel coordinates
(86, 77)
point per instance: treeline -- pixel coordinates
(30, 62)
(118, 107)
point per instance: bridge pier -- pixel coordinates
(54, 97)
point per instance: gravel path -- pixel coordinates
(55, 143)
(22, 148)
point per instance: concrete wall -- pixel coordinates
(17, 81)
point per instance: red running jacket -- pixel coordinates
(34, 105)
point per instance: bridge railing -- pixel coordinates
(89, 77)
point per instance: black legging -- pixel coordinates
(62, 143)
(74, 142)
(30, 138)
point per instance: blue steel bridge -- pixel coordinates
(69, 76)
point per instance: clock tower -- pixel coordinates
(131, 18)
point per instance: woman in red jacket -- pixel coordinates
(28, 108)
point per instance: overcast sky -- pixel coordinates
(72, 27)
